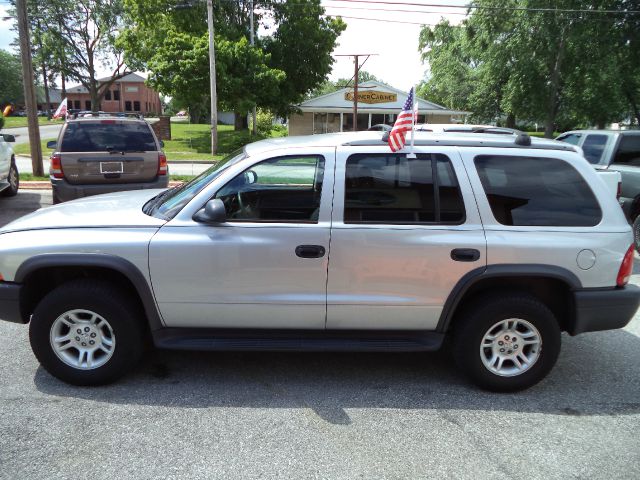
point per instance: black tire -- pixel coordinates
(479, 318)
(104, 299)
(636, 233)
(55, 199)
(14, 181)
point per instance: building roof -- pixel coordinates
(337, 101)
(131, 78)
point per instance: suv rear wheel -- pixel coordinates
(507, 343)
(86, 332)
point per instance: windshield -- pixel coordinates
(106, 135)
(169, 203)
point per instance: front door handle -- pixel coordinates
(310, 251)
(465, 254)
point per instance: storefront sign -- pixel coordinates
(371, 96)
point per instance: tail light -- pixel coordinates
(55, 170)
(619, 192)
(162, 164)
(625, 268)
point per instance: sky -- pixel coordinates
(393, 46)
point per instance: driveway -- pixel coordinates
(299, 416)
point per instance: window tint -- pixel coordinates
(394, 189)
(526, 191)
(628, 151)
(283, 189)
(107, 135)
(593, 147)
(572, 138)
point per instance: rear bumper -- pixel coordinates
(10, 302)
(64, 190)
(604, 309)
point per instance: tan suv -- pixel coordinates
(106, 154)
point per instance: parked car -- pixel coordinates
(619, 151)
(381, 127)
(332, 243)
(9, 175)
(103, 154)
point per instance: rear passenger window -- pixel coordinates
(393, 189)
(107, 135)
(527, 191)
(629, 151)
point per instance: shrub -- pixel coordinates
(264, 121)
(1, 121)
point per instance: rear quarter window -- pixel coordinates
(628, 151)
(107, 135)
(532, 191)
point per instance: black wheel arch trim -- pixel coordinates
(500, 271)
(101, 260)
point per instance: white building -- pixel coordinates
(377, 103)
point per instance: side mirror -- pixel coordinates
(250, 177)
(52, 144)
(213, 212)
(161, 144)
(8, 138)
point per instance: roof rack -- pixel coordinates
(89, 114)
(453, 140)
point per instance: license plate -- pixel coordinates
(111, 167)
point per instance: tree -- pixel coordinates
(535, 59)
(11, 89)
(84, 32)
(273, 74)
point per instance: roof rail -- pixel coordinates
(453, 140)
(88, 114)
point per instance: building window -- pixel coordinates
(76, 104)
(127, 106)
(136, 106)
(107, 95)
(87, 104)
(116, 94)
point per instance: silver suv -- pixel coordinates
(332, 243)
(104, 154)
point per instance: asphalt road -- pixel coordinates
(299, 416)
(22, 133)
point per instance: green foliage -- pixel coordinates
(11, 90)
(264, 122)
(1, 121)
(273, 74)
(547, 66)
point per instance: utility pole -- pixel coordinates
(355, 88)
(255, 126)
(29, 89)
(212, 74)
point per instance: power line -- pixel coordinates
(383, 20)
(394, 10)
(486, 7)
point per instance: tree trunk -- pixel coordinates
(511, 120)
(64, 86)
(46, 91)
(634, 106)
(240, 121)
(554, 94)
(601, 125)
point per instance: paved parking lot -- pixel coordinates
(298, 416)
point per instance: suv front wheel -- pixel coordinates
(506, 343)
(86, 332)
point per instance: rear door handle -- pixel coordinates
(310, 251)
(465, 254)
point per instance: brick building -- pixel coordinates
(129, 94)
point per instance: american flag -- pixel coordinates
(404, 124)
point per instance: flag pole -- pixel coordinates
(413, 123)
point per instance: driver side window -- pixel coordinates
(282, 189)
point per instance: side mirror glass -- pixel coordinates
(161, 144)
(52, 144)
(213, 212)
(8, 138)
(250, 177)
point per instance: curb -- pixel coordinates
(42, 185)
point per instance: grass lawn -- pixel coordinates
(12, 122)
(189, 142)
